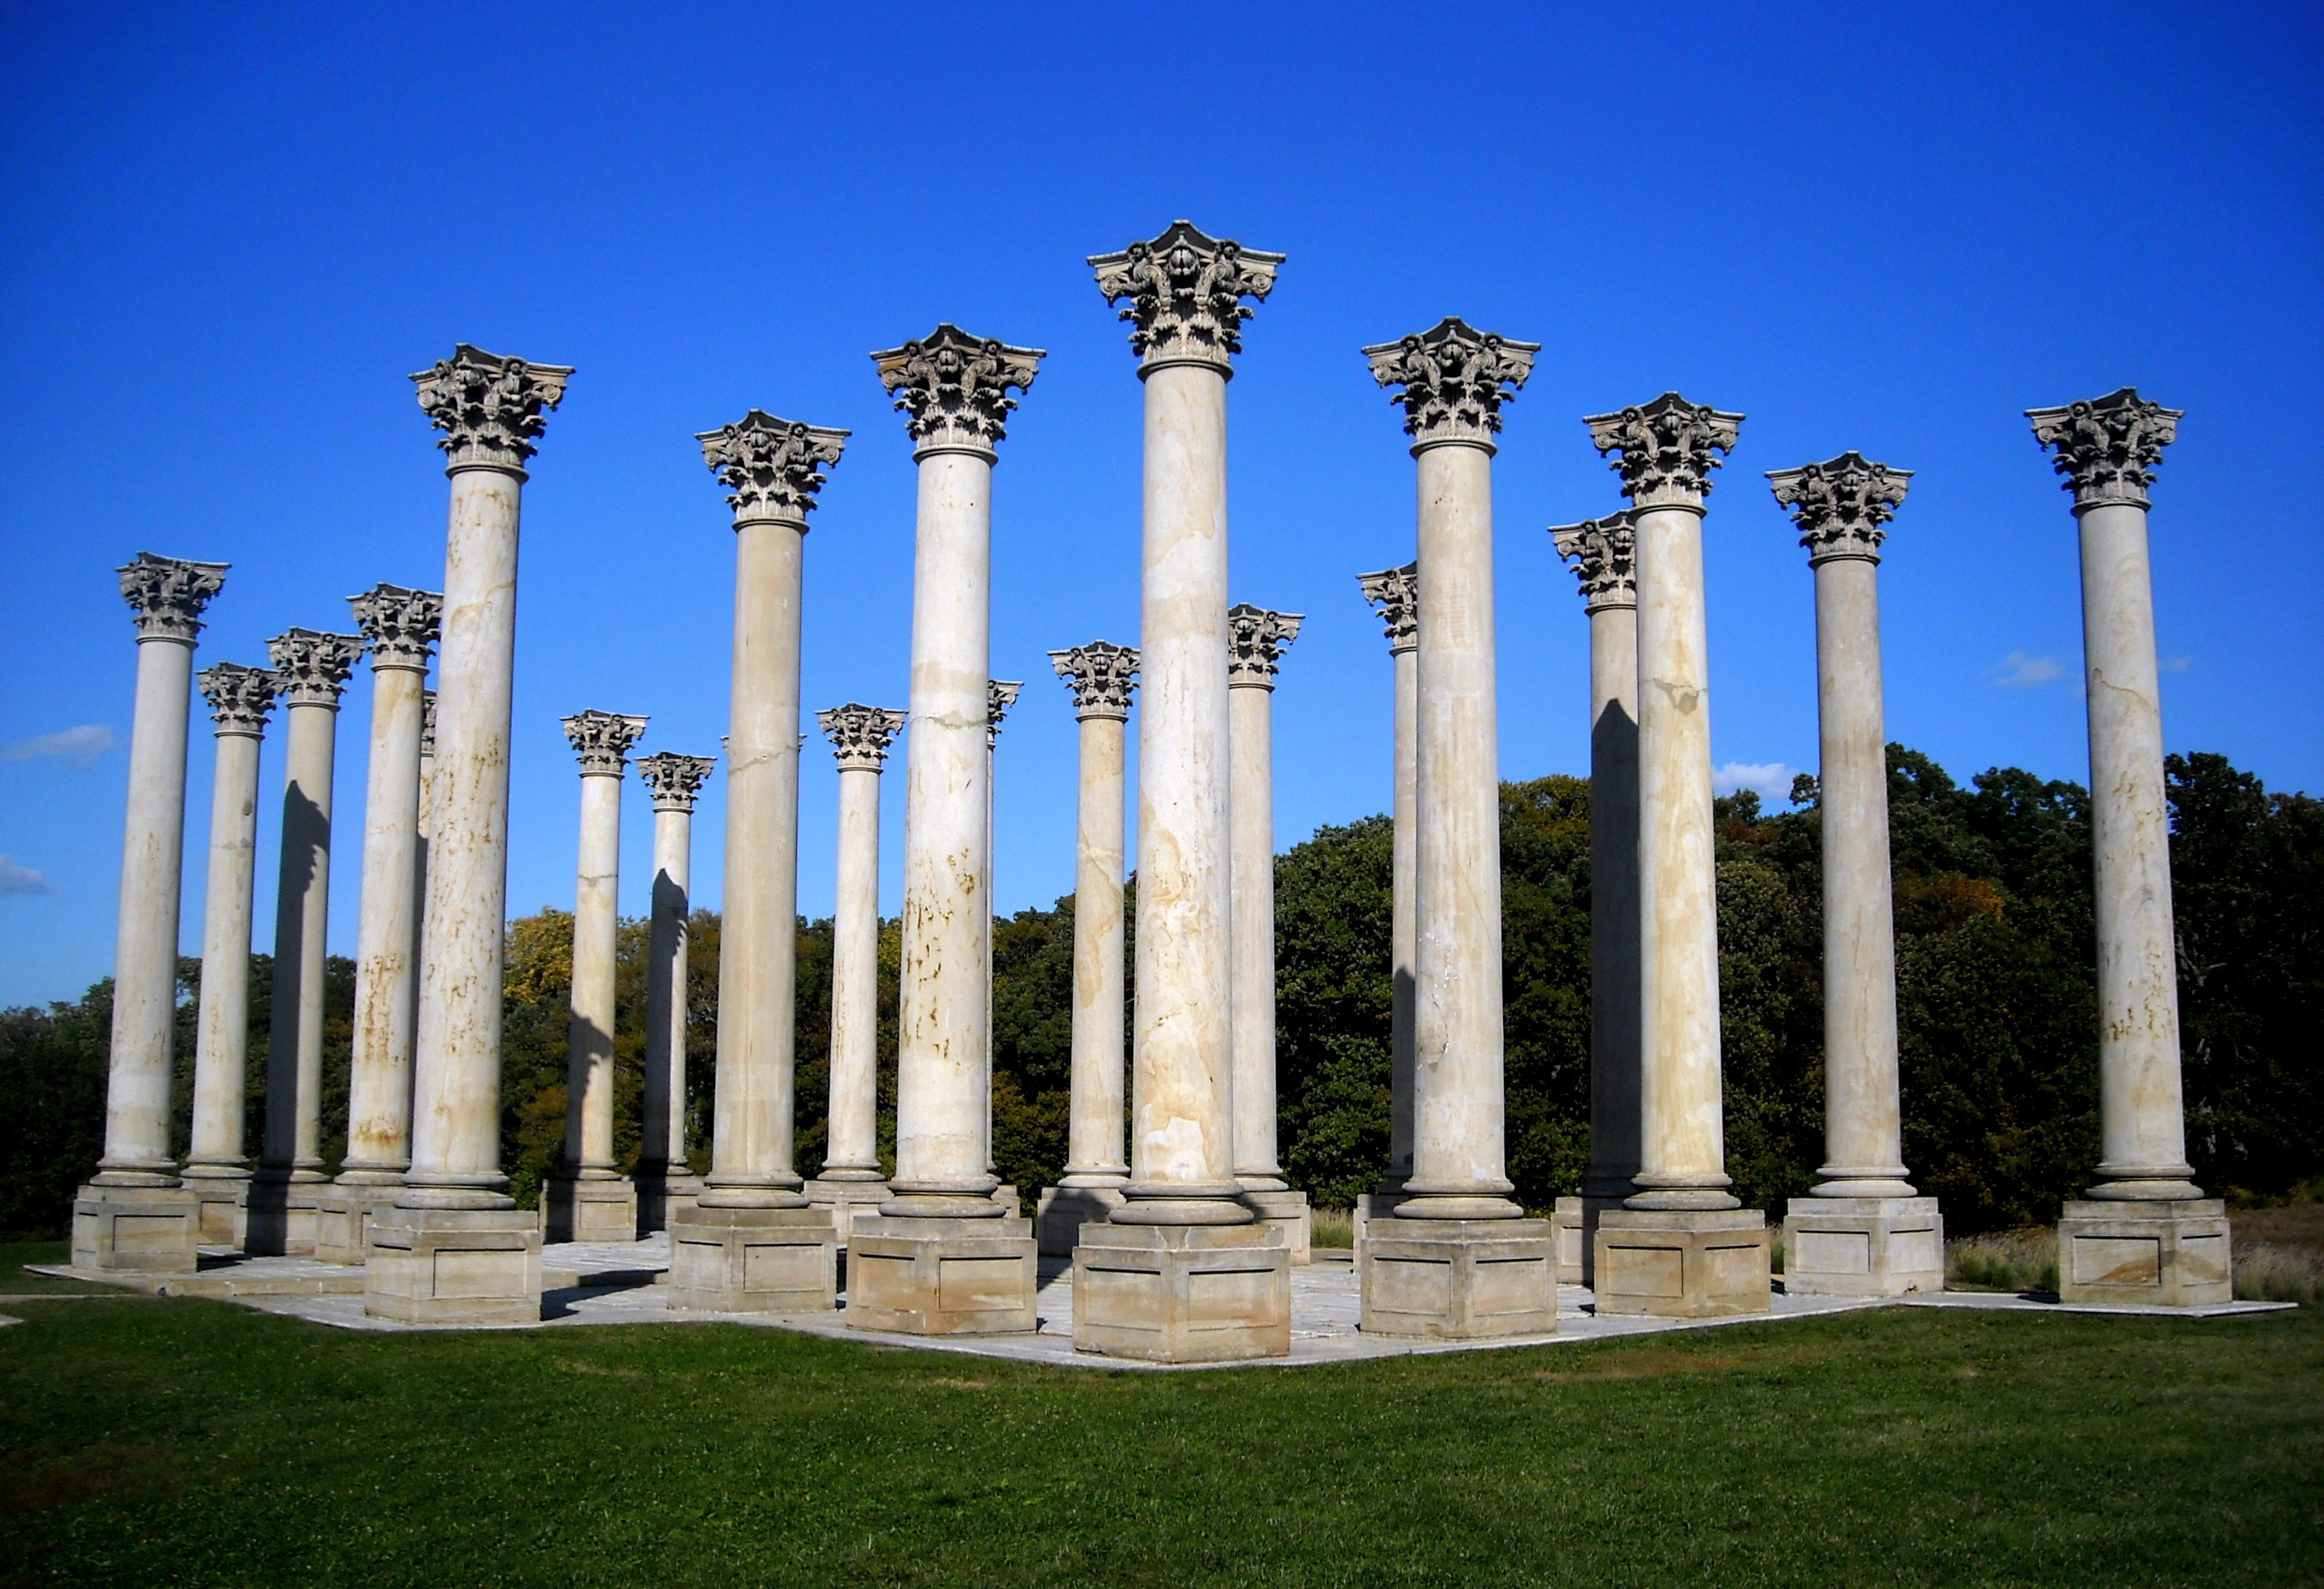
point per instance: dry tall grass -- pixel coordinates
(2028, 1261)
(1333, 1227)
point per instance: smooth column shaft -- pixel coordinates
(294, 1057)
(222, 1044)
(1404, 930)
(589, 1043)
(854, 1145)
(666, 947)
(1251, 811)
(379, 1083)
(1613, 902)
(1093, 1154)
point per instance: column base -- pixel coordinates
(223, 1191)
(1460, 1280)
(1182, 1293)
(1683, 1262)
(282, 1213)
(753, 1261)
(146, 1229)
(1063, 1211)
(2159, 1254)
(943, 1277)
(1863, 1246)
(1011, 1206)
(343, 1216)
(454, 1266)
(589, 1208)
(1287, 1212)
(842, 1201)
(661, 1194)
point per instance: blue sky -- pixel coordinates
(232, 232)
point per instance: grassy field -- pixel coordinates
(164, 1442)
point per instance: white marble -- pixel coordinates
(664, 1176)
(1256, 639)
(852, 1177)
(1395, 592)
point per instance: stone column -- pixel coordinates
(1396, 593)
(1679, 1247)
(455, 1248)
(311, 669)
(400, 627)
(665, 1182)
(750, 1244)
(2145, 1232)
(852, 1181)
(1102, 676)
(1134, 1277)
(1000, 694)
(1458, 1258)
(424, 827)
(954, 389)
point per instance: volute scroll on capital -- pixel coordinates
(674, 780)
(1667, 448)
(1185, 290)
(489, 406)
(602, 740)
(1451, 375)
(1603, 555)
(310, 667)
(1395, 592)
(400, 627)
(1000, 695)
(167, 594)
(1102, 675)
(1256, 639)
(954, 388)
(2108, 446)
(771, 468)
(860, 735)
(240, 697)
(1841, 506)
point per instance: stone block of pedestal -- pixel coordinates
(343, 1216)
(2158, 1254)
(1012, 1207)
(1286, 1211)
(662, 1196)
(1063, 1211)
(1863, 1246)
(454, 1266)
(1368, 1207)
(842, 1201)
(587, 1207)
(1572, 1247)
(224, 1201)
(1460, 1280)
(1182, 1293)
(943, 1277)
(1683, 1264)
(281, 1216)
(150, 1229)
(753, 1261)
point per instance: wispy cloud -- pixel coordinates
(1771, 779)
(2022, 670)
(2176, 663)
(16, 879)
(80, 745)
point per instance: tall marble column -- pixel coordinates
(1134, 1276)
(424, 826)
(2145, 1232)
(750, 1242)
(1396, 593)
(954, 389)
(1458, 1258)
(134, 1213)
(1000, 694)
(1102, 675)
(455, 1248)
(852, 1180)
(1680, 1245)
(399, 628)
(666, 1182)
(311, 670)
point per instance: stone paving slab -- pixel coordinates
(2022, 1303)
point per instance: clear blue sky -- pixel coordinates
(230, 233)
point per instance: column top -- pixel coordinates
(1452, 374)
(400, 625)
(1101, 675)
(1000, 695)
(2108, 446)
(426, 724)
(1256, 639)
(954, 389)
(673, 779)
(167, 594)
(311, 667)
(860, 735)
(240, 697)
(1396, 592)
(489, 406)
(772, 468)
(1842, 505)
(1185, 290)
(601, 741)
(1603, 553)
(1666, 447)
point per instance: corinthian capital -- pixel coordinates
(310, 667)
(1185, 293)
(1602, 551)
(771, 468)
(1256, 642)
(602, 740)
(674, 780)
(1840, 506)
(2107, 447)
(1666, 448)
(1452, 374)
(427, 725)
(1395, 592)
(1101, 675)
(489, 406)
(400, 625)
(1000, 695)
(955, 389)
(168, 594)
(240, 698)
(860, 735)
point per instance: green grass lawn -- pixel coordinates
(162, 1442)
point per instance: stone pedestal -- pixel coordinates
(1369, 1209)
(1571, 1244)
(2154, 1254)
(152, 1229)
(282, 1212)
(753, 1261)
(1182, 1293)
(590, 1208)
(343, 1216)
(942, 1277)
(1460, 1280)
(663, 1193)
(1062, 1211)
(454, 1266)
(1683, 1264)
(222, 1196)
(1288, 1213)
(843, 1200)
(1863, 1246)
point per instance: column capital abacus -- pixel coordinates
(489, 406)
(1452, 374)
(954, 389)
(1185, 290)
(2108, 446)
(168, 594)
(675, 780)
(1000, 695)
(771, 468)
(1102, 675)
(310, 667)
(399, 625)
(860, 735)
(1666, 447)
(601, 741)
(1395, 592)
(1842, 505)
(240, 697)
(426, 724)
(1602, 552)
(1256, 639)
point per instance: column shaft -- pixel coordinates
(1613, 902)
(1093, 1155)
(1251, 812)
(665, 991)
(1404, 930)
(853, 1147)
(589, 1044)
(222, 1046)
(379, 1083)
(294, 1057)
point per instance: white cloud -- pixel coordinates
(16, 879)
(80, 745)
(2177, 664)
(2022, 670)
(1771, 779)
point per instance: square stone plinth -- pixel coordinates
(1460, 1280)
(1371, 1207)
(281, 1214)
(753, 1260)
(1863, 1246)
(843, 1203)
(662, 1196)
(590, 1208)
(942, 1277)
(1287, 1212)
(1182, 1293)
(1063, 1211)
(148, 1229)
(454, 1266)
(343, 1220)
(2164, 1254)
(224, 1203)
(1683, 1264)
(1572, 1247)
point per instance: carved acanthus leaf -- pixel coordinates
(1451, 375)
(310, 667)
(167, 594)
(240, 697)
(1256, 639)
(1185, 293)
(489, 406)
(955, 387)
(1666, 447)
(399, 625)
(771, 468)
(1102, 675)
(1602, 551)
(674, 780)
(2107, 447)
(1396, 592)
(1000, 695)
(602, 740)
(860, 735)
(1840, 506)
